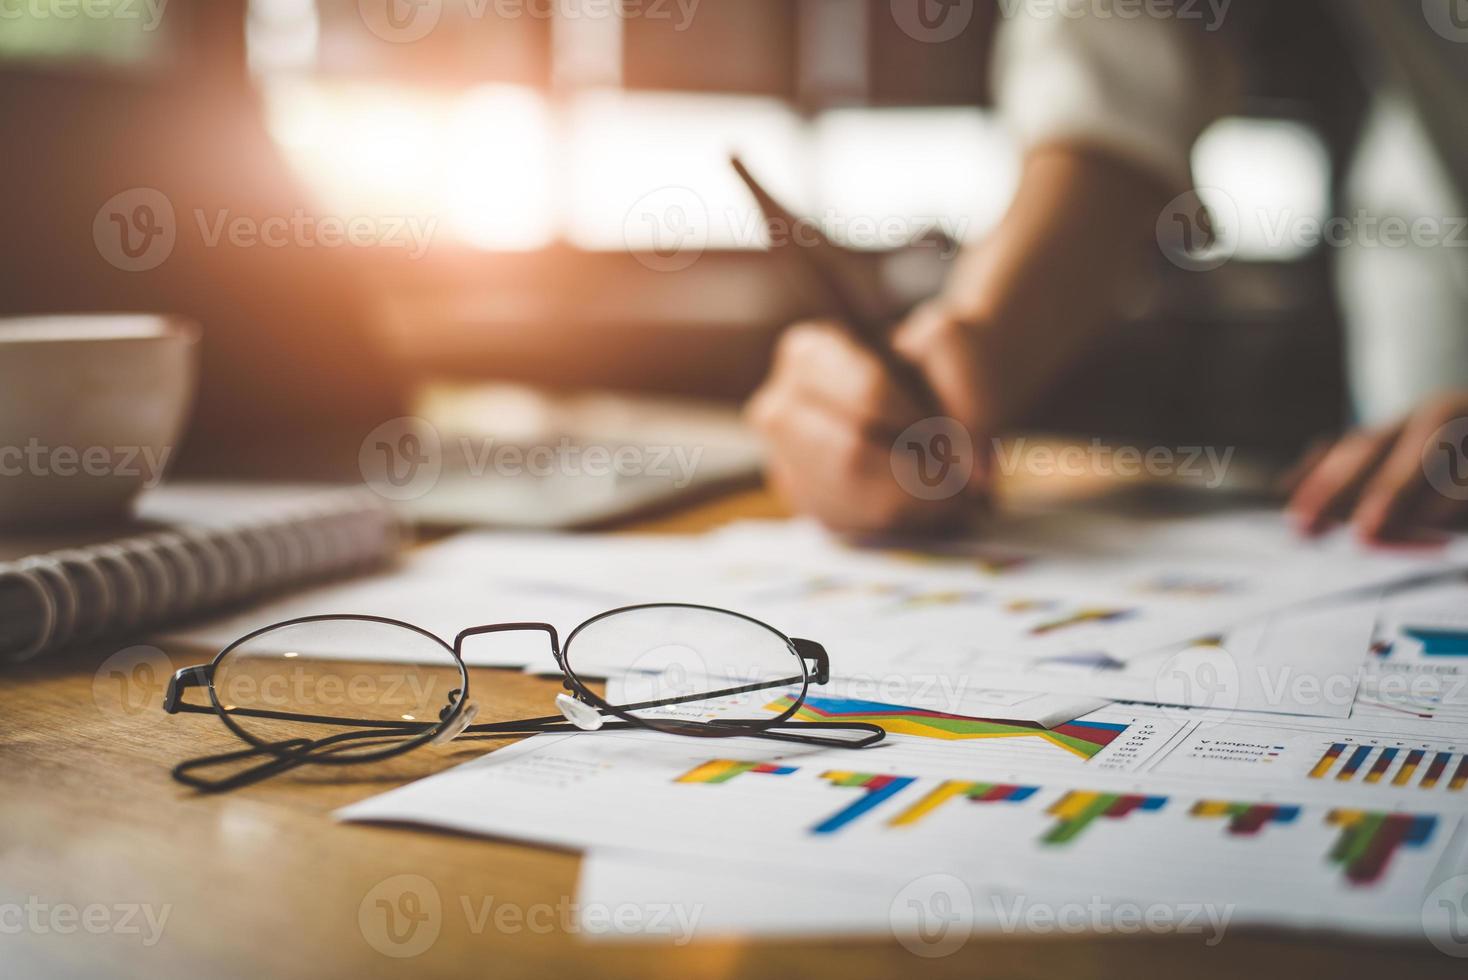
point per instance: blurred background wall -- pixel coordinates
(558, 150)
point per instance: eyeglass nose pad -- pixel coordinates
(579, 713)
(454, 730)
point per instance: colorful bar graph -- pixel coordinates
(878, 789)
(723, 770)
(1382, 764)
(953, 789)
(1441, 642)
(1404, 774)
(1326, 761)
(1353, 764)
(1246, 819)
(1368, 840)
(1078, 809)
(1082, 738)
(1435, 770)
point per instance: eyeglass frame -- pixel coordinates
(805, 652)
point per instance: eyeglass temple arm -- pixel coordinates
(816, 658)
(181, 681)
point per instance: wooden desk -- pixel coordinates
(262, 882)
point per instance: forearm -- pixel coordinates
(1074, 246)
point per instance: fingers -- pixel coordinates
(948, 353)
(823, 464)
(829, 414)
(820, 362)
(1384, 480)
(1331, 489)
(1399, 495)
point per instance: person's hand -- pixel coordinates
(830, 415)
(1388, 480)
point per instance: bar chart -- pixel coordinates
(1386, 765)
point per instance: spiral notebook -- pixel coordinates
(192, 549)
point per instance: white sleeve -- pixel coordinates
(1138, 87)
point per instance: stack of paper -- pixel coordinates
(1288, 743)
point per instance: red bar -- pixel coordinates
(1253, 819)
(1369, 867)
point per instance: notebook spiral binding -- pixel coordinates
(123, 586)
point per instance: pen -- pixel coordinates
(817, 264)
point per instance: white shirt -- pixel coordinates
(1145, 87)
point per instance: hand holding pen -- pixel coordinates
(871, 426)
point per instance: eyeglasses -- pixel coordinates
(339, 690)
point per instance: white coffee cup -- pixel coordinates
(91, 410)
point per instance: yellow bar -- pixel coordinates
(1073, 804)
(942, 794)
(706, 772)
(1210, 808)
